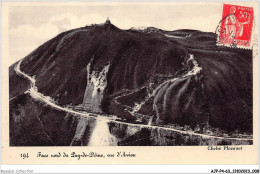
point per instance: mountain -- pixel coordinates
(173, 79)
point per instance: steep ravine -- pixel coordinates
(155, 89)
(101, 134)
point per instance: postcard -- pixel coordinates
(129, 83)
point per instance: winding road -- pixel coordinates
(47, 100)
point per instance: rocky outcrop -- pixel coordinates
(97, 82)
(147, 77)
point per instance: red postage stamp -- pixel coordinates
(236, 26)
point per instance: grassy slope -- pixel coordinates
(223, 91)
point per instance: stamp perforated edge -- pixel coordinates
(253, 40)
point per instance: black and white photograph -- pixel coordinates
(83, 77)
(130, 83)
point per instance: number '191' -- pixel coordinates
(24, 155)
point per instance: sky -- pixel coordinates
(31, 26)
